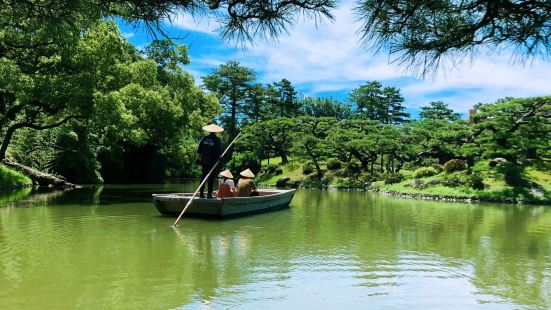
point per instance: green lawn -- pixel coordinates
(496, 189)
(275, 160)
(292, 169)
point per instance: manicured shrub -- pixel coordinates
(333, 164)
(393, 178)
(350, 183)
(278, 171)
(308, 168)
(425, 172)
(453, 165)
(455, 179)
(419, 184)
(476, 181)
(438, 167)
(512, 174)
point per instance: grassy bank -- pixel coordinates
(489, 183)
(12, 178)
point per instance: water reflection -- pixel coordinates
(108, 248)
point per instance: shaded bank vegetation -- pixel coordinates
(124, 115)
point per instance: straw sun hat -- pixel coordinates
(226, 174)
(247, 173)
(213, 128)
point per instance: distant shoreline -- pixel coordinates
(426, 196)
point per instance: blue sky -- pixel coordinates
(328, 60)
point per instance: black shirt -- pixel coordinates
(210, 148)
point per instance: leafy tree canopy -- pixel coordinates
(325, 107)
(231, 83)
(421, 34)
(438, 110)
(517, 129)
(374, 102)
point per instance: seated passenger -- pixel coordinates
(246, 186)
(227, 187)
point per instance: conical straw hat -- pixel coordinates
(247, 173)
(213, 128)
(227, 174)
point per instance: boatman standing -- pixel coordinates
(208, 153)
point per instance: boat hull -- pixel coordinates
(269, 200)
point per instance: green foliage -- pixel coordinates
(512, 174)
(310, 140)
(333, 164)
(325, 107)
(75, 158)
(10, 177)
(315, 183)
(439, 168)
(422, 34)
(282, 99)
(231, 83)
(419, 184)
(453, 165)
(516, 129)
(118, 104)
(308, 168)
(271, 170)
(438, 110)
(425, 172)
(476, 181)
(393, 178)
(167, 54)
(454, 179)
(271, 137)
(353, 168)
(345, 183)
(439, 139)
(242, 161)
(376, 103)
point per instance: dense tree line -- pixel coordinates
(77, 99)
(516, 131)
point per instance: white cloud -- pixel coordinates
(204, 24)
(331, 58)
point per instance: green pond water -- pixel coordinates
(108, 248)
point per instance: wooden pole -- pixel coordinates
(204, 180)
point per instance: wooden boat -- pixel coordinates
(172, 204)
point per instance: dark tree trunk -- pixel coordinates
(6, 141)
(372, 164)
(364, 163)
(318, 170)
(284, 158)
